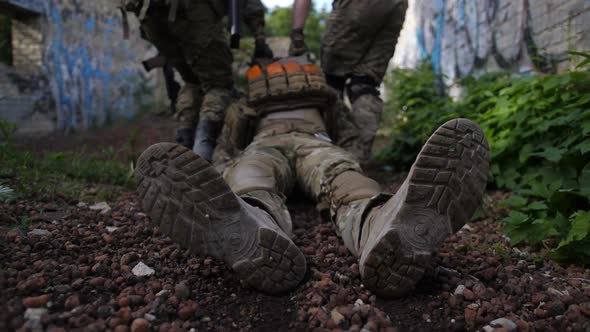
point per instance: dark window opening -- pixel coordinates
(6, 40)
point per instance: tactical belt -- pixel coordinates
(307, 120)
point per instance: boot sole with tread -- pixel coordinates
(442, 191)
(192, 204)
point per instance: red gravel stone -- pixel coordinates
(36, 301)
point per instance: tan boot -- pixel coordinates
(442, 191)
(191, 203)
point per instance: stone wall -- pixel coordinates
(27, 44)
(82, 73)
(462, 37)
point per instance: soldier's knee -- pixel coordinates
(336, 82)
(259, 171)
(215, 103)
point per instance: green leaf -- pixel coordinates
(525, 153)
(516, 218)
(584, 146)
(578, 53)
(551, 153)
(537, 205)
(579, 229)
(583, 100)
(584, 180)
(515, 201)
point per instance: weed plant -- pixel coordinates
(538, 128)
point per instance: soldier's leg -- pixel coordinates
(202, 39)
(192, 204)
(333, 177)
(367, 75)
(155, 29)
(394, 237)
(343, 45)
(188, 104)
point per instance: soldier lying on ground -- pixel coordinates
(241, 217)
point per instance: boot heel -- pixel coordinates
(278, 266)
(191, 202)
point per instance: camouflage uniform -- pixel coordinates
(193, 40)
(242, 217)
(358, 43)
(196, 45)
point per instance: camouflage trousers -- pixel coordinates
(360, 37)
(196, 45)
(359, 41)
(272, 164)
(356, 128)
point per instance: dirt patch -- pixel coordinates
(72, 267)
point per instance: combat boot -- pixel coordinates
(206, 138)
(442, 191)
(190, 202)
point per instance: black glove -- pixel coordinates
(262, 50)
(298, 46)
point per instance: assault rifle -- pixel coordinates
(172, 87)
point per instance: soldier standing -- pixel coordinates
(241, 217)
(190, 35)
(358, 42)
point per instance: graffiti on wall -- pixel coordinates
(93, 74)
(459, 36)
(92, 71)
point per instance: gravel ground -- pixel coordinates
(84, 267)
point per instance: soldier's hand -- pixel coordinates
(298, 46)
(262, 50)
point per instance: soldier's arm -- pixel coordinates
(254, 19)
(300, 12)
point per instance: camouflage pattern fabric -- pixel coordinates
(188, 105)
(359, 40)
(360, 126)
(277, 160)
(360, 37)
(196, 45)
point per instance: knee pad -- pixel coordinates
(336, 82)
(361, 85)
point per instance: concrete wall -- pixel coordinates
(462, 37)
(82, 72)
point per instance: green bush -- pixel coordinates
(538, 130)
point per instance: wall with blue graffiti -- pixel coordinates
(461, 37)
(92, 74)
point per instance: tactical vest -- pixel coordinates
(291, 83)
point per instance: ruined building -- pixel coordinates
(64, 65)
